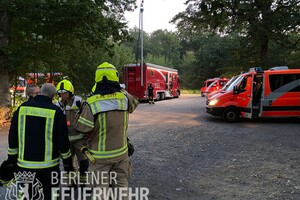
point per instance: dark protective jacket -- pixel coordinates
(38, 135)
(150, 90)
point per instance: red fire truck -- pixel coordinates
(165, 81)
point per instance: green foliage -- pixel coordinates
(72, 37)
(258, 22)
(158, 60)
(17, 100)
(187, 91)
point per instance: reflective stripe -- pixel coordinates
(36, 112)
(103, 103)
(125, 128)
(21, 133)
(75, 137)
(102, 132)
(109, 154)
(66, 155)
(48, 138)
(38, 165)
(280, 91)
(12, 151)
(84, 121)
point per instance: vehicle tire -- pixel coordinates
(231, 114)
(163, 96)
(178, 93)
(158, 96)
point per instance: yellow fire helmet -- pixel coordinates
(106, 72)
(65, 86)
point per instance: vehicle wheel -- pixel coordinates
(158, 96)
(163, 96)
(231, 115)
(178, 93)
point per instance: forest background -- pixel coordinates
(214, 38)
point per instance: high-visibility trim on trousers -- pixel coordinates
(109, 154)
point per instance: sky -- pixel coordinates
(156, 15)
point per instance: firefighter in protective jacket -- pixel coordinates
(105, 116)
(38, 138)
(70, 104)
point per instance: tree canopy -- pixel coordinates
(258, 22)
(55, 35)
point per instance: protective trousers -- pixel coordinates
(83, 162)
(118, 172)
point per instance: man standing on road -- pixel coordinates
(105, 116)
(38, 138)
(150, 93)
(70, 104)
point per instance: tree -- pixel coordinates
(258, 21)
(209, 56)
(161, 47)
(43, 34)
(165, 44)
(5, 19)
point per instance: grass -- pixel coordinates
(189, 91)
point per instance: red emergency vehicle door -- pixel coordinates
(134, 82)
(244, 98)
(257, 89)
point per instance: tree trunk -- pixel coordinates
(264, 51)
(5, 22)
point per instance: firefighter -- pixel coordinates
(150, 93)
(70, 104)
(105, 116)
(38, 138)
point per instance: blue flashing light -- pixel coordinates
(256, 69)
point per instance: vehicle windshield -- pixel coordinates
(229, 82)
(234, 83)
(212, 84)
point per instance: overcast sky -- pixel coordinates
(157, 14)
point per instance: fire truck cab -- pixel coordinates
(269, 93)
